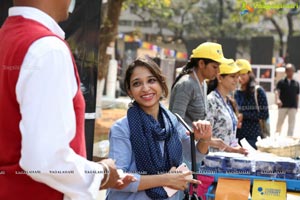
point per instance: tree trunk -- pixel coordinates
(280, 34)
(108, 33)
(221, 16)
(289, 17)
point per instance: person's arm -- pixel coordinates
(262, 104)
(277, 94)
(112, 178)
(121, 151)
(175, 180)
(237, 149)
(186, 144)
(45, 91)
(218, 143)
(203, 133)
(277, 99)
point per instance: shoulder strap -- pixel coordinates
(255, 97)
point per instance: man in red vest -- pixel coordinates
(42, 146)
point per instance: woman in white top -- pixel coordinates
(221, 112)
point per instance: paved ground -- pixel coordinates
(273, 120)
(122, 102)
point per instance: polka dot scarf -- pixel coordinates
(145, 134)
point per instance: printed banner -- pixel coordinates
(268, 190)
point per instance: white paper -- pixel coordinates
(245, 144)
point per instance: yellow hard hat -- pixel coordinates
(244, 66)
(210, 50)
(230, 68)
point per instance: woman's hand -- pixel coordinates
(178, 180)
(222, 146)
(240, 150)
(218, 143)
(202, 130)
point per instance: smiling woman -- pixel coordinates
(149, 142)
(146, 84)
(221, 110)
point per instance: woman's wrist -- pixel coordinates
(203, 146)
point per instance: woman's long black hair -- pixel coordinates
(188, 68)
(250, 87)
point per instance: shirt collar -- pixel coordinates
(39, 16)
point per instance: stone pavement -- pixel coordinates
(273, 111)
(122, 102)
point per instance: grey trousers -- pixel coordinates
(282, 113)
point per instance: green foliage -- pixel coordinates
(149, 4)
(156, 9)
(215, 18)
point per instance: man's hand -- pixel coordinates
(112, 178)
(279, 103)
(124, 181)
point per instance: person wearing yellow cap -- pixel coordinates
(221, 113)
(244, 66)
(246, 98)
(188, 94)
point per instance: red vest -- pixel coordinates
(16, 36)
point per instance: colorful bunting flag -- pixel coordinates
(155, 48)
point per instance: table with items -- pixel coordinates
(256, 166)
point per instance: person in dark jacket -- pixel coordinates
(287, 98)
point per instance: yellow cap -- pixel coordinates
(230, 68)
(210, 50)
(244, 66)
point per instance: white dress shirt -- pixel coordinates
(45, 91)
